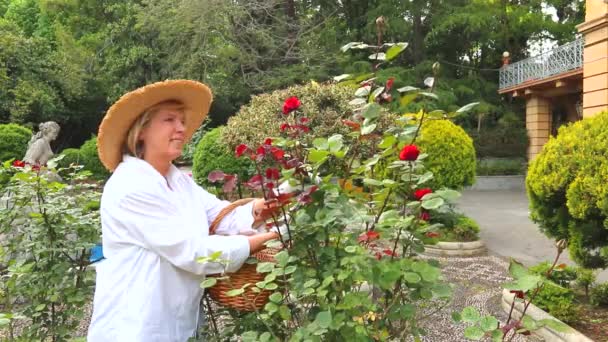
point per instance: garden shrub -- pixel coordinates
(71, 156)
(599, 295)
(568, 192)
(563, 276)
(500, 167)
(451, 154)
(558, 301)
(324, 105)
(90, 159)
(500, 142)
(211, 154)
(457, 227)
(585, 278)
(13, 141)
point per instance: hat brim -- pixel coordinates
(114, 127)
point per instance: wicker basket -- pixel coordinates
(247, 274)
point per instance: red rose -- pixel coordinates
(425, 216)
(369, 236)
(389, 83)
(272, 173)
(284, 126)
(268, 141)
(418, 194)
(277, 153)
(304, 120)
(353, 125)
(409, 153)
(241, 149)
(291, 104)
(19, 163)
(432, 235)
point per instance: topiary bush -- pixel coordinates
(599, 295)
(568, 192)
(90, 159)
(324, 104)
(212, 154)
(558, 301)
(13, 141)
(451, 154)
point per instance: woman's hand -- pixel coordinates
(264, 209)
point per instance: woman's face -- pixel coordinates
(163, 136)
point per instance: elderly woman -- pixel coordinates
(155, 219)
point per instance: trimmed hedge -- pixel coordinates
(13, 141)
(212, 154)
(325, 106)
(567, 185)
(451, 154)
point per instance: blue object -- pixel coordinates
(96, 253)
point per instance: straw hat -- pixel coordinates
(113, 130)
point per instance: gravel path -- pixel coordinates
(477, 282)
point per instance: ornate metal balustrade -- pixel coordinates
(559, 60)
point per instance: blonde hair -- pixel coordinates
(133, 145)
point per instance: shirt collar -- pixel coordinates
(172, 176)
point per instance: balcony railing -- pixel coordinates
(559, 60)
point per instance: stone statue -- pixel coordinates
(39, 148)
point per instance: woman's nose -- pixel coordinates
(180, 126)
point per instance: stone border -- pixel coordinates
(455, 248)
(536, 313)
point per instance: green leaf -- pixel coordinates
(525, 283)
(529, 323)
(371, 181)
(442, 290)
(363, 91)
(276, 297)
(432, 203)
(376, 92)
(249, 336)
(395, 50)
(555, 325)
(265, 337)
(427, 176)
(282, 258)
(284, 312)
(456, 317)
(488, 323)
(351, 249)
(431, 95)
(387, 142)
(323, 319)
(271, 307)
(449, 195)
(406, 89)
(379, 56)
(235, 292)
(367, 129)
(497, 335)
(357, 101)
(517, 269)
(407, 99)
(320, 143)
(470, 314)
(40, 307)
(412, 277)
(371, 111)
(473, 333)
(335, 142)
(311, 283)
(342, 77)
(265, 267)
(207, 283)
(467, 107)
(317, 156)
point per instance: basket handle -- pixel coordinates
(225, 211)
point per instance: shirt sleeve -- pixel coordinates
(239, 221)
(154, 222)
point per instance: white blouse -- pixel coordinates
(153, 230)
